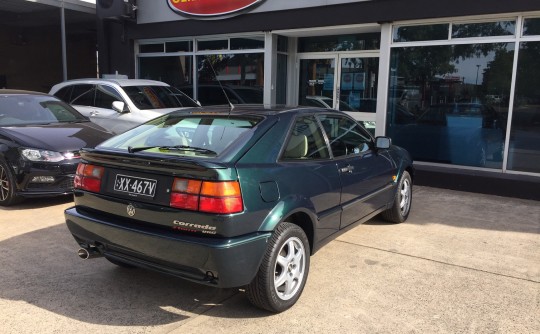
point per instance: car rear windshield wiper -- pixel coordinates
(172, 148)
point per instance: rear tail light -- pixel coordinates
(207, 196)
(88, 177)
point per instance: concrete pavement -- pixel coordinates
(462, 263)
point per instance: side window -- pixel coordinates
(64, 94)
(83, 95)
(345, 135)
(306, 142)
(105, 96)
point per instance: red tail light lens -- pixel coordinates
(207, 196)
(88, 177)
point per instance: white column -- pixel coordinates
(384, 75)
(270, 68)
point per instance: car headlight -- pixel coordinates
(33, 154)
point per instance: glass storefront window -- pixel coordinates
(317, 82)
(282, 44)
(531, 27)
(449, 104)
(484, 29)
(358, 84)
(174, 70)
(368, 41)
(241, 75)
(151, 48)
(524, 148)
(221, 44)
(183, 46)
(420, 33)
(247, 43)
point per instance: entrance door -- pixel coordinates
(351, 86)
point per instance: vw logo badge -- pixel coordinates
(131, 210)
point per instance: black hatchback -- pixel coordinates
(40, 139)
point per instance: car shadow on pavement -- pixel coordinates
(42, 269)
(34, 203)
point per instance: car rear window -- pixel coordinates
(188, 135)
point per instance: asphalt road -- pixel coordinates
(462, 263)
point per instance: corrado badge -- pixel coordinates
(190, 227)
(206, 8)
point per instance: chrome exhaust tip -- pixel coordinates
(89, 253)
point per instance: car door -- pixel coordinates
(366, 174)
(104, 115)
(310, 173)
(82, 98)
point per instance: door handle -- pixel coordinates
(348, 169)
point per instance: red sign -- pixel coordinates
(210, 7)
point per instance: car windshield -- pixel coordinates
(188, 135)
(158, 97)
(35, 109)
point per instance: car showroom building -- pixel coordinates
(457, 83)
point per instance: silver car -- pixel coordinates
(121, 104)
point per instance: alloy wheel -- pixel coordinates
(405, 197)
(289, 271)
(4, 184)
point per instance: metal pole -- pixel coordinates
(63, 32)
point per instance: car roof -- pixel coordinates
(120, 82)
(20, 92)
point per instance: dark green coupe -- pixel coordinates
(236, 198)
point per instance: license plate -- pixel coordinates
(135, 186)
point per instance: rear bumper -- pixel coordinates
(224, 263)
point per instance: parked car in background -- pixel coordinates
(121, 104)
(244, 200)
(213, 94)
(40, 139)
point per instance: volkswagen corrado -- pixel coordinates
(236, 198)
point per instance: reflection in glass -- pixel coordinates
(221, 44)
(449, 104)
(247, 43)
(358, 84)
(242, 77)
(531, 27)
(484, 29)
(151, 48)
(369, 41)
(174, 70)
(317, 82)
(183, 46)
(429, 32)
(524, 148)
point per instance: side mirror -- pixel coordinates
(120, 107)
(383, 143)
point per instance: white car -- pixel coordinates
(121, 104)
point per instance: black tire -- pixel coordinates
(8, 194)
(401, 206)
(278, 284)
(120, 263)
